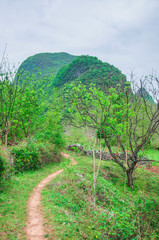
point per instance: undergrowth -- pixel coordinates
(31, 155)
(120, 212)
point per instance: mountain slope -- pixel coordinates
(45, 63)
(57, 69)
(88, 69)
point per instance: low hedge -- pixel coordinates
(32, 155)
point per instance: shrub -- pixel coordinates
(52, 137)
(32, 155)
(2, 166)
(26, 157)
(5, 173)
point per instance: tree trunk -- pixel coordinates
(130, 178)
(94, 179)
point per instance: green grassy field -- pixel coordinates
(13, 201)
(120, 212)
(154, 155)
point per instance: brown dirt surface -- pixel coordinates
(153, 169)
(67, 156)
(35, 222)
(34, 228)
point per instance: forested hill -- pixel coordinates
(88, 69)
(45, 63)
(62, 68)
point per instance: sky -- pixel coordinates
(124, 33)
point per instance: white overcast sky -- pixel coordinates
(124, 33)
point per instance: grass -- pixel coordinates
(154, 155)
(13, 201)
(75, 136)
(120, 212)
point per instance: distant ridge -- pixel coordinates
(144, 94)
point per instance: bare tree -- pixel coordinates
(2, 63)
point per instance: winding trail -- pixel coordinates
(34, 228)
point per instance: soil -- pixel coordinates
(35, 222)
(67, 156)
(153, 169)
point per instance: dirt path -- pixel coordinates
(34, 227)
(67, 156)
(153, 169)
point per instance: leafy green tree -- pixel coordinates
(51, 129)
(8, 96)
(22, 105)
(28, 112)
(117, 116)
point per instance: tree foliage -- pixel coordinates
(8, 95)
(25, 108)
(89, 70)
(45, 63)
(120, 116)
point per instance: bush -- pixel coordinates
(26, 157)
(2, 166)
(5, 173)
(32, 155)
(154, 142)
(52, 137)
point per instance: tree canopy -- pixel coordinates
(88, 69)
(120, 117)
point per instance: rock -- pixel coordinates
(75, 147)
(104, 155)
(88, 153)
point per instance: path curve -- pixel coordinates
(34, 226)
(68, 156)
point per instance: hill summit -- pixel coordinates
(88, 69)
(62, 68)
(45, 63)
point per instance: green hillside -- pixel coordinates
(45, 63)
(88, 69)
(61, 68)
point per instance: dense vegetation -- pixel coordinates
(30, 129)
(93, 200)
(120, 117)
(57, 69)
(45, 63)
(87, 70)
